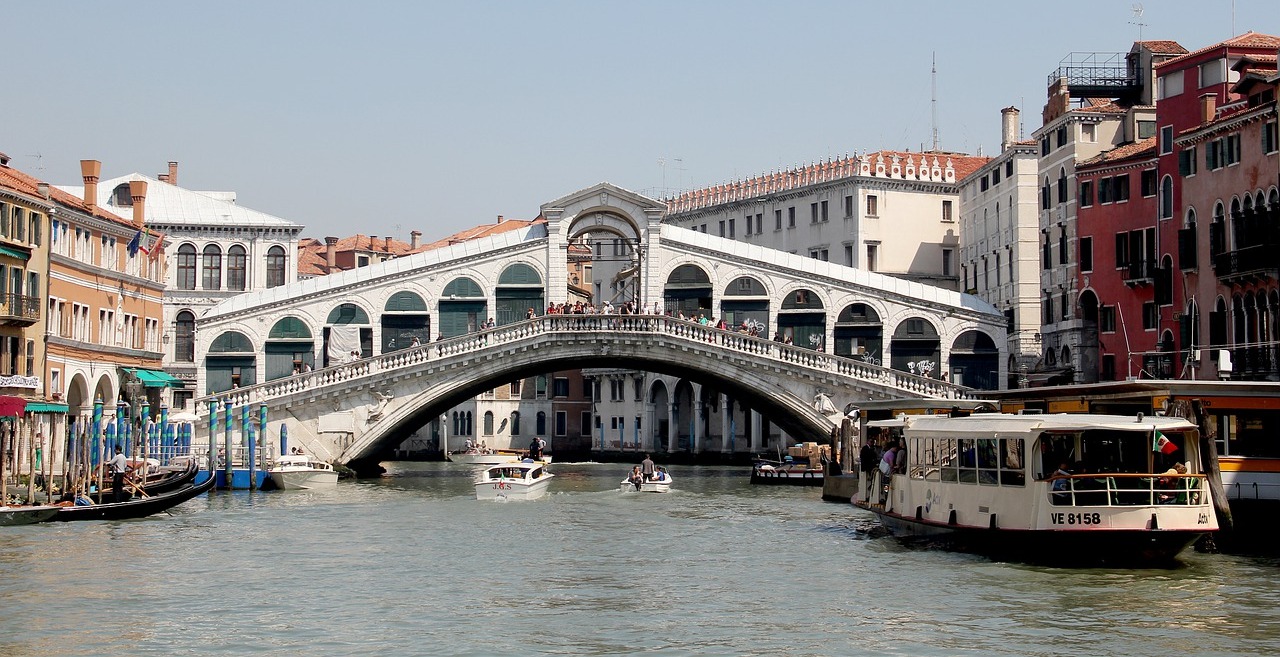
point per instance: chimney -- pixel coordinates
(42, 188)
(173, 173)
(500, 219)
(138, 192)
(1059, 102)
(372, 239)
(1008, 127)
(388, 243)
(1208, 107)
(415, 239)
(330, 254)
(90, 169)
(163, 177)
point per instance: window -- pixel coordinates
(1089, 133)
(211, 271)
(275, 266)
(1169, 85)
(1062, 135)
(1122, 250)
(488, 423)
(1086, 193)
(722, 228)
(1120, 188)
(1062, 246)
(1231, 149)
(1008, 169)
(1046, 253)
(1107, 319)
(1214, 72)
(848, 206)
(1044, 145)
(1270, 138)
(982, 184)
(1166, 198)
(1166, 140)
(1186, 165)
(872, 252)
(513, 391)
(1048, 309)
(1062, 185)
(540, 387)
(995, 176)
(824, 211)
(186, 267)
(1086, 254)
(1105, 195)
(759, 222)
(584, 423)
(560, 387)
(777, 219)
(236, 264)
(791, 217)
(1149, 183)
(848, 255)
(1213, 155)
(731, 229)
(947, 257)
(515, 423)
(1146, 129)
(540, 424)
(1150, 315)
(946, 211)
(873, 205)
(813, 213)
(562, 423)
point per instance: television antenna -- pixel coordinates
(1137, 18)
(39, 160)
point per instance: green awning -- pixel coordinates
(14, 253)
(46, 407)
(156, 379)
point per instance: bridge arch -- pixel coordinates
(607, 218)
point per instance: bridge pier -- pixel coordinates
(673, 429)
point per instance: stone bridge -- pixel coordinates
(354, 413)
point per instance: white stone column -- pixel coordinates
(726, 424)
(699, 413)
(673, 429)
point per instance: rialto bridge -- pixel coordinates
(355, 361)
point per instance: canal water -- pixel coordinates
(412, 564)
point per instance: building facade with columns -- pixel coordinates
(214, 249)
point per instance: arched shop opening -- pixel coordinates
(803, 319)
(347, 333)
(519, 289)
(290, 348)
(463, 307)
(688, 291)
(404, 317)
(746, 301)
(859, 333)
(975, 361)
(230, 363)
(916, 347)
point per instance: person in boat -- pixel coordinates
(900, 459)
(468, 445)
(646, 468)
(535, 450)
(889, 459)
(1171, 484)
(867, 458)
(636, 478)
(1061, 484)
(119, 466)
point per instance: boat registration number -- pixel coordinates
(501, 485)
(1076, 518)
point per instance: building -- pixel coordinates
(1120, 280)
(891, 212)
(214, 249)
(1219, 208)
(999, 242)
(1096, 102)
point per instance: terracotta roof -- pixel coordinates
(310, 263)
(1101, 106)
(27, 184)
(1164, 47)
(483, 230)
(1131, 151)
(1247, 40)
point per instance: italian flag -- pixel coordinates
(1162, 444)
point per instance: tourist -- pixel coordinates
(900, 461)
(646, 468)
(119, 466)
(890, 457)
(535, 449)
(636, 478)
(529, 314)
(777, 336)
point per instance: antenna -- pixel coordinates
(39, 160)
(1137, 18)
(933, 90)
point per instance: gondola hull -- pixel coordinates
(136, 508)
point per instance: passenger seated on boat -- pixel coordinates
(1173, 489)
(1096, 495)
(1061, 485)
(636, 478)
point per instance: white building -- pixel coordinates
(214, 249)
(999, 236)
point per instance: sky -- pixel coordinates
(385, 117)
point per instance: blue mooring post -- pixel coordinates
(262, 431)
(213, 438)
(166, 437)
(226, 444)
(96, 432)
(144, 436)
(120, 424)
(246, 429)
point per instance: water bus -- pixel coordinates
(1062, 487)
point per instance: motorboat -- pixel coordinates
(25, 515)
(1064, 488)
(785, 473)
(660, 483)
(477, 456)
(301, 472)
(521, 480)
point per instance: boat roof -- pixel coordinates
(1004, 422)
(524, 465)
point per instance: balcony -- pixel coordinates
(1247, 264)
(1097, 75)
(1256, 363)
(19, 310)
(1140, 272)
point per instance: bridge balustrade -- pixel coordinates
(579, 324)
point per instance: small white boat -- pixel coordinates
(661, 483)
(25, 515)
(491, 457)
(301, 472)
(523, 480)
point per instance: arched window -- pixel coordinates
(276, 262)
(211, 269)
(515, 423)
(1166, 197)
(488, 423)
(1062, 185)
(184, 339)
(237, 264)
(467, 430)
(186, 267)
(542, 424)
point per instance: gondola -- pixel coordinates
(157, 483)
(135, 508)
(25, 515)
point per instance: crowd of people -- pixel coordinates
(887, 455)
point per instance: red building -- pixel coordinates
(1118, 267)
(1218, 209)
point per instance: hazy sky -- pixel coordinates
(385, 117)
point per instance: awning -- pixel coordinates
(46, 407)
(14, 253)
(12, 406)
(156, 378)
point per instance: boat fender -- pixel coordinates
(919, 513)
(992, 524)
(951, 519)
(1155, 524)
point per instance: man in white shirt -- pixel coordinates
(118, 465)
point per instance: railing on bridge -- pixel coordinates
(577, 324)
